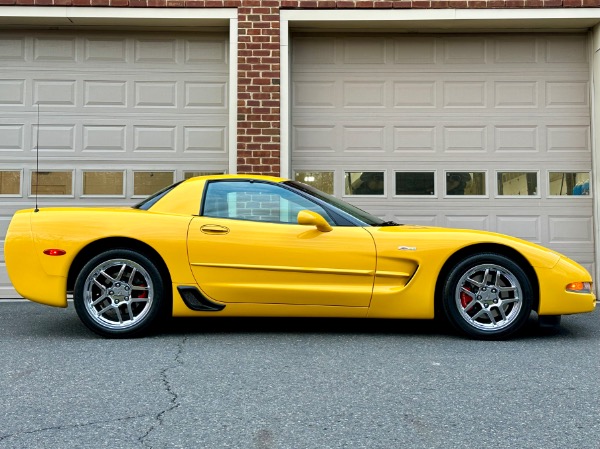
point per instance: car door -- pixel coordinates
(247, 246)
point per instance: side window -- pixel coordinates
(256, 201)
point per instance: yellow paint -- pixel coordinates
(282, 263)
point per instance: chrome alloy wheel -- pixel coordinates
(118, 294)
(489, 297)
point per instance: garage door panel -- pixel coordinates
(571, 229)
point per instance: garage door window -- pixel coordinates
(415, 183)
(465, 183)
(569, 183)
(517, 183)
(322, 180)
(103, 183)
(149, 182)
(59, 183)
(10, 183)
(364, 183)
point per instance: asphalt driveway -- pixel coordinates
(294, 384)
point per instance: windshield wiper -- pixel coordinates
(389, 223)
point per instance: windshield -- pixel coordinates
(351, 210)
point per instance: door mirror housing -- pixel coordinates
(310, 218)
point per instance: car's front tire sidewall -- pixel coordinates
(131, 283)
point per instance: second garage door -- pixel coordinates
(475, 131)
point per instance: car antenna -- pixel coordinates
(37, 157)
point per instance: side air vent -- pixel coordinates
(195, 300)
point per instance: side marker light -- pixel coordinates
(579, 287)
(54, 252)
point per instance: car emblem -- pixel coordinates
(407, 248)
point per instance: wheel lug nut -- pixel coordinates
(479, 297)
(111, 292)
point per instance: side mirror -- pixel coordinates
(310, 218)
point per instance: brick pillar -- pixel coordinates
(258, 87)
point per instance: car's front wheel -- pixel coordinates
(119, 293)
(487, 296)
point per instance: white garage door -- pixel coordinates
(474, 131)
(121, 115)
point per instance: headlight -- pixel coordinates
(579, 287)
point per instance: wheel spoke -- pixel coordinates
(118, 312)
(478, 315)
(474, 282)
(132, 275)
(130, 312)
(121, 271)
(107, 276)
(106, 309)
(486, 275)
(100, 285)
(502, 311)
(100, 299)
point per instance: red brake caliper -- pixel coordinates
(464, 298)
(143, 293)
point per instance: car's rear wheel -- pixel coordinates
(119, 293)
(487, 296)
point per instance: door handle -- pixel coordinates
(212, 229)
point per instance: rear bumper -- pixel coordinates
(25, 269)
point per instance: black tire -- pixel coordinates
(120, 294)
(492, 308)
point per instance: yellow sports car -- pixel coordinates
(263, 246)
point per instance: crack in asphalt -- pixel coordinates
(174, 401)
(71, 426)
